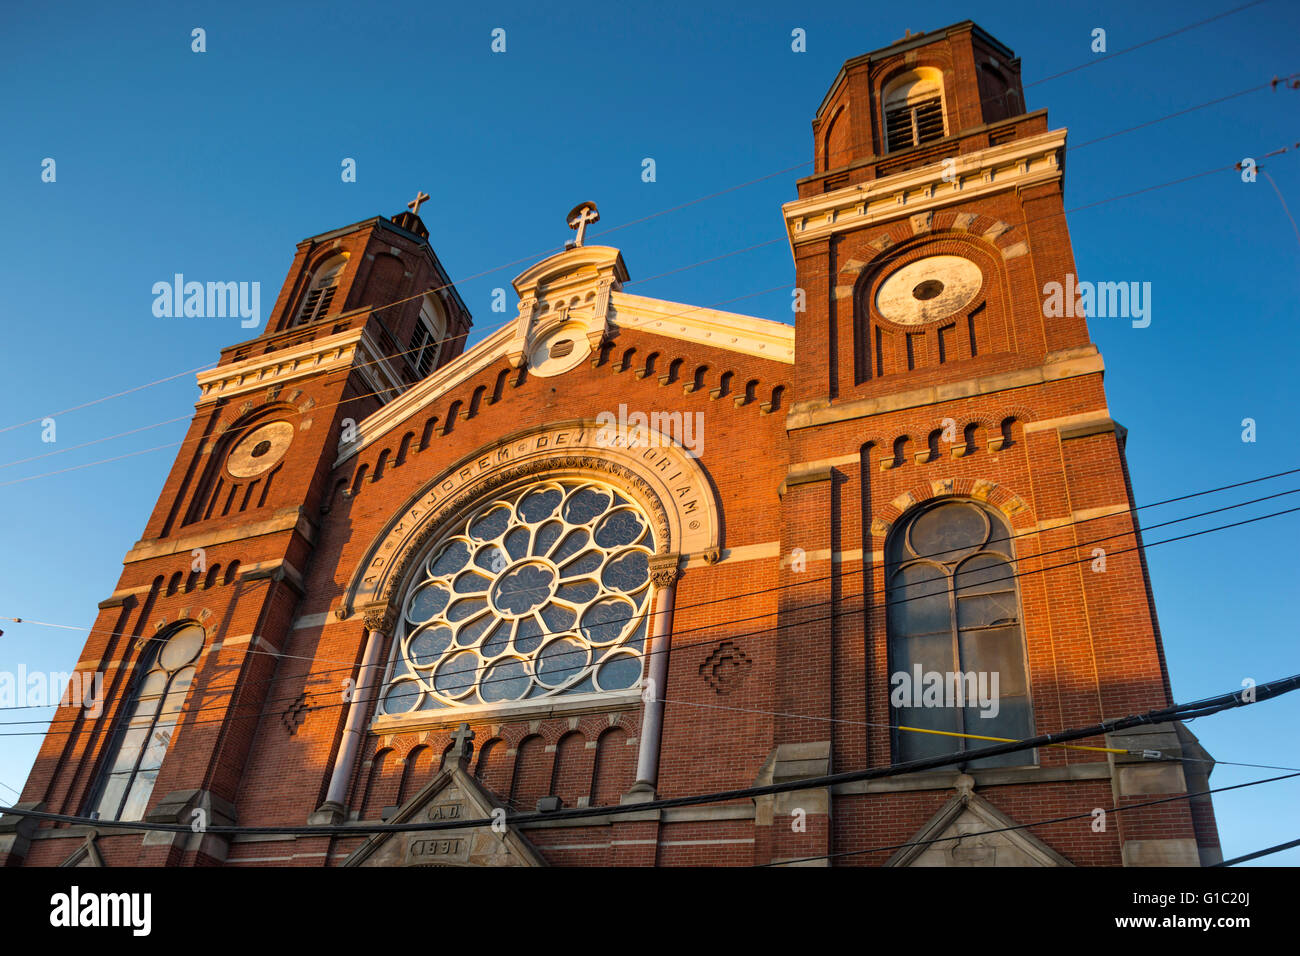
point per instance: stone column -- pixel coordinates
(664, 574)
(379, 623)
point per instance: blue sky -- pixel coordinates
(214, 165)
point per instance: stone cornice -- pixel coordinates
(1059, 365)
(1020, 163)
(288, 519)
(725, 330)
(327, 354)
(461, 369)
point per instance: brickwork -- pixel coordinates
(779, 658)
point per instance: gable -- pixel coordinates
(452, 795)
(578, 306)
(967, 819)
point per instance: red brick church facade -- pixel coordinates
(372, 535)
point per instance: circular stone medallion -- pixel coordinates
(259, 449)
(929, 289)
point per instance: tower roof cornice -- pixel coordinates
(907, 44)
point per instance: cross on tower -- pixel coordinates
(420, 199)
(460, 743)
(578, 218)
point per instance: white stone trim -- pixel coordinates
(746, 552)
(1099, 417)
(726, 330)
(461, 369)
(1086, 514)
(762, 338)
(507, 710)
(331, 353)
(1058, 367)
(311, 620)
(1014, 165)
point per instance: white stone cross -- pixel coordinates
(578, 218)
(420, 199)
(459, 742)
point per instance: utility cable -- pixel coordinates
(679, 646)
(1201, 708)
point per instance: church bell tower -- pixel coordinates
(208, 594)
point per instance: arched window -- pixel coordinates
(323, 286)
(430, 330)
(913, 108)
(149, 717)
(537, 593)
(956, 649)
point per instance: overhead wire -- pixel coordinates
(675, 208)
(840, 576)
(1089, 814)
(383, 690)
(881, 260)
(1203, 707)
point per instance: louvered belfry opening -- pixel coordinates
(912, 105)
(316, 304)
(914, 124)
(424, 350)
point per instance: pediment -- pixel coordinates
(969, 819)
(562, 321)
(452, 795)
(85, 855)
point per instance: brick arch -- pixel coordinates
(571, 773)
(1011, 505)
(513, 733)
(836, 140)
(615, 766)
(1020, 413)
(532, 776)
(381, 783)
(401, 743)
(902, 246)
(417, 770)
(494, 766)
(681, 525)
(882, 346)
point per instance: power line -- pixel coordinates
(1285, 208)
(803, 582)
(1258, 853)
(73, 408)
(879, 261)
(96, 441)
(642, 219)
(1201, 708)
(679, 646)
(1137, 46)
(1038, 823)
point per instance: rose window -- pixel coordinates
(539, 593)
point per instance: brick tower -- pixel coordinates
(927, 376)
(365, 311)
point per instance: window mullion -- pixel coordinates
(956, 652)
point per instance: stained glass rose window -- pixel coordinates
(539, 593)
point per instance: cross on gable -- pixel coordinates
(578, 218)
(460, 749)
(421, 197)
